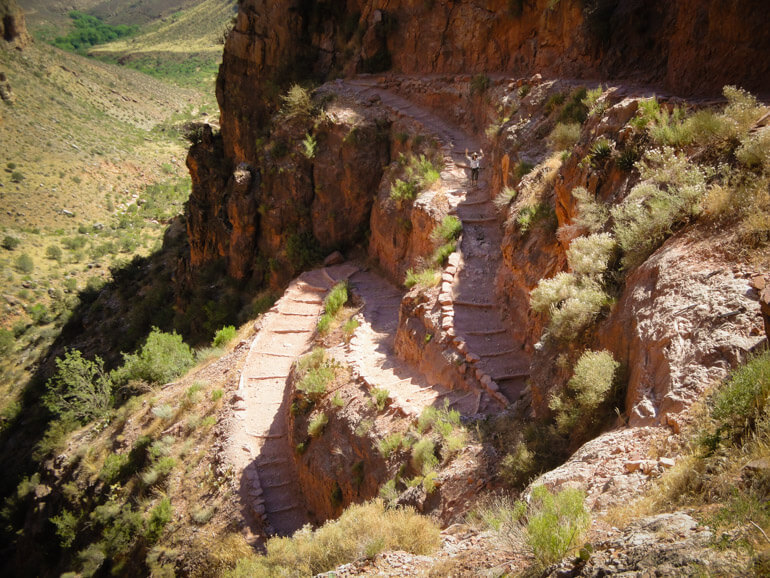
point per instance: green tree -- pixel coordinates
(81, 390)
(162, 358)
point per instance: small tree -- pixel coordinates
(81, 390)
(163, 357)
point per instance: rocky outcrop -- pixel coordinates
(13, 28)
(685, 318)
(289, 204)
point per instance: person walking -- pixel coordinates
(475, 162)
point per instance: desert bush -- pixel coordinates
(349, 328)
(224, 336)
(361, 531)
(480, 83)
(10, 243)
(531, 215)
(591, 100)
(53, 252)
(517, 466)
(574, 109)
(578, 313)
(80, 390)
(160, 516)
(316, 380)
(590, 386)
(7, 341)
(424, 458)
(333, 304)
(420, 172)
(424, 278)
(441, 254)
(564, 136)
(24, 263)
(17, 177)
(450, 229)
(744, 398)
(590, 256)
(317, 424)
(556, 523)
(297, 102)
(162, 358)
(66, 527)
(504, 198)
(389, 444)
(650, 214)
(522, 169)
(742, 110)
(601, 150)
(754, 151)
(380, 397)
(592, 214)
(309, 146)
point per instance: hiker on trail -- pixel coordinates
(475, 160)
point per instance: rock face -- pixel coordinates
(682, 322)
(13, 28)
(287, 204)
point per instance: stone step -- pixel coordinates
(462, 303)
(290, 331)
(266, 377)
(487, 332)
(479, 221)
(273, 354)
(499, 353)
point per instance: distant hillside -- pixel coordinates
(54, 12)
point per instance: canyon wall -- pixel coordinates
(13, 28)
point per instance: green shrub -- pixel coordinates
(576, 314)
(309, 146)
(742, 110)
(53, 252)
(424, 458)
(425, 278)
(522, 169)
(80, 390)
(17, 177)
(601, 150)
(315, 381)
(24, 263)
(590, 386)
(10, 243)
(7, 341)
(650, 214)
(216, 395)
(518, 466)
(224, 336)
(531, 215)
(380, 397)
(575, 110)
(114, 468)
(317, 424)
(743, 399)
(754, 151)
(361, 531)
(441, 254)
(89, 31)
(336, 299)
(480, 83)
(390, 444)
(66, 527)
(162, 358)
(39, 314)
(350, 327)
(450, 229)
(556, 523)
(420, 172)
(564, 136)
(591, 100)
(160, 516)
(553, 102)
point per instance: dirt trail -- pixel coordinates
(476, 314)
(258, 445)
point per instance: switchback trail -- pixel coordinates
(477, 318)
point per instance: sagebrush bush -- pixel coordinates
(361, 531)
(162, 358)
(449, 229)
(424, 457)
(577, 313)
(564, 136)
(591, 255)
(80, 390)
(592, 214)
(670, 195)
(590, 385)
(224, 336)
(556, 523)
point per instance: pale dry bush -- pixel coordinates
(591, 255)
(361, 532)
(592, 214)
